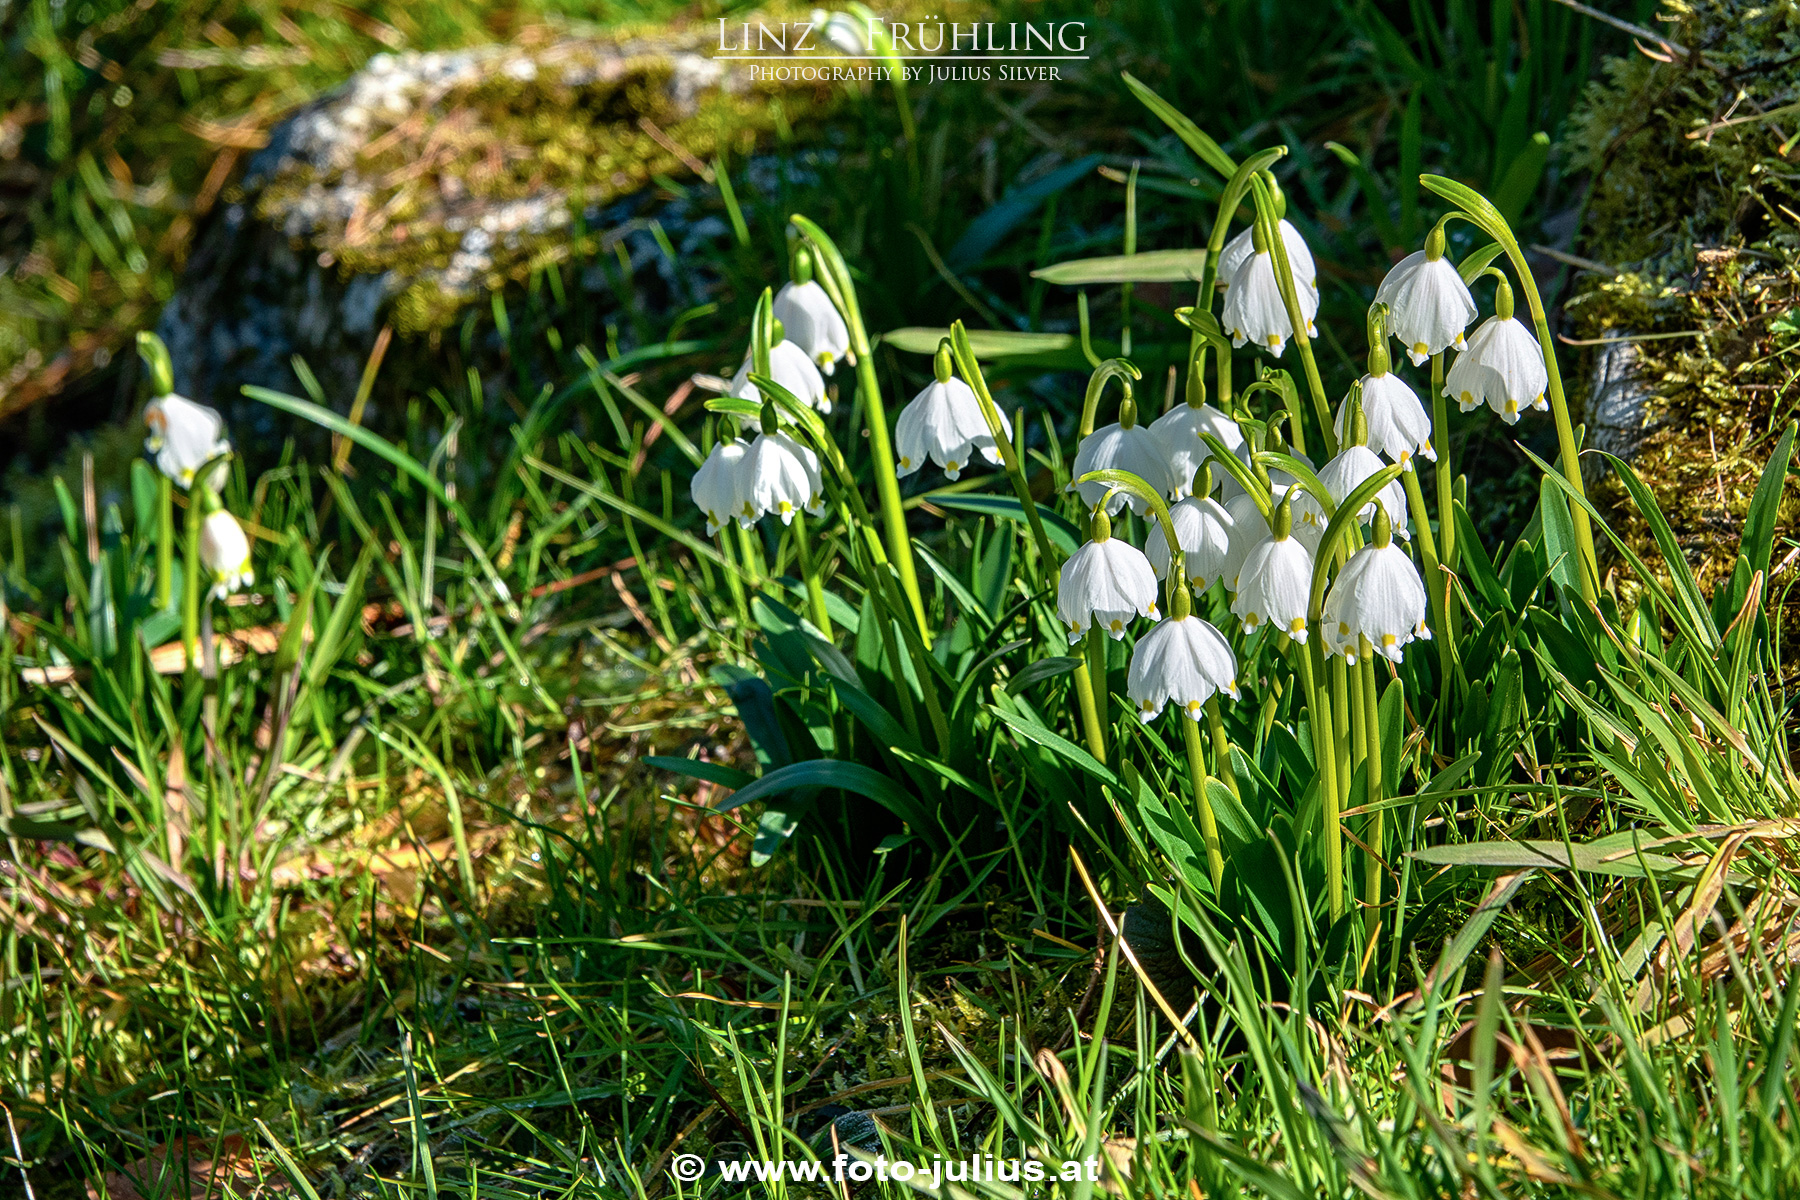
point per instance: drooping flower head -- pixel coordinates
(1275, 582)
(778, 475)
(1106, 582)
(1183, 660)
(1398, 424)
(1355, 464)
(1429, 306)
(718, 486)
(1376, 605)
(1203, 528)
(945, 424)
(789, 366)
(1122, 446)
(812, 322)
(184, 436)
(1179, 431)
(224, 553)
(1239, 249)
(1254, 308)
(1503, 365)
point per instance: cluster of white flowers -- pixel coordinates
(1262, 549)
(774, 473)
(185, 437)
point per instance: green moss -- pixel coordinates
(1704, 221)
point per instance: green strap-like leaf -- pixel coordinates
(1210, 152)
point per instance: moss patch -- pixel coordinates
(1695, 204)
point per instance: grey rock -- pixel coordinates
(1619, 396)
(427, 180)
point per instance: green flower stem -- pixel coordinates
(1094, 668)
(190, 579)
(1284, 274)
(1085, 704)
(1372, 723)
(1325, 746)
(876, 571)
(732, 579)
(815, 589)
(1446, 504)
(970, 370)
(1434, 576)
(834, 276)
(1209, 824)
(1340, 729)
(1122, 369)
(1221, 746)
(165, 541)
(752, 555)
(1440, 421)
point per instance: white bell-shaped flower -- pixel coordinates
(812, 322)
(1203, 528)
(1239, 249)
(1179, 431)
(778, 475)
(1248, 527)
(1183, 660)
(1353, 465)
(1429, 305)
(1275, 582)
(184, 436)
(792, 369)
(1398, 424)
(1106, 582)
(718, 486)
(945, 424)
(225, 554)
(1503, 365)
(1255, 311)
(1122, 446)
(1376, 605)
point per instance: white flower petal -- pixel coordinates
(944, 423)
(1113, 447)
(778, 475)
(1255, 311)
(184, 436)
(1203, 527)
(1275, 587)
(1239, 249)
(1429, 306)
(1376, 604)
(1183, 661)
(812, 322)
(1179, 431)
(718, 486)
(792, 369)
(225, 553)
(1399, 426)
(1109, 582)
(1502, 366)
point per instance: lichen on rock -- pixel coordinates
(430, 179)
